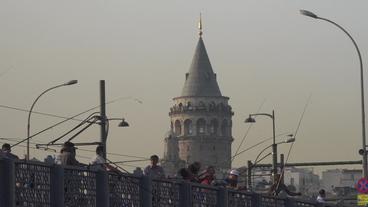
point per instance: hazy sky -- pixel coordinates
(261, 50)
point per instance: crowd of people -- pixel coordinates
(192, 173)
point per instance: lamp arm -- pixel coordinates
(34, 103)
(348, 34)
(258, 161)
(262, 114)
(255, 161)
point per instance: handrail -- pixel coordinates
(120, 189)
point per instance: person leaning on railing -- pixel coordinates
(231, 182)
(154, 170)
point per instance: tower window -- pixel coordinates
(213, 127)
(188, 127)
(189, 105)
(224, 128)
(177, 127)
(201, 125)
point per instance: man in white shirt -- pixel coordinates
(154, 170)
(98, 160)
(321, 196)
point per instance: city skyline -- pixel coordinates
(266, 56)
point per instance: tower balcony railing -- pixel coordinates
(200, 109)
(39, 184)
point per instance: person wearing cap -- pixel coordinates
(232, 180)
(6, 152)
(67, 154)
(154, 170)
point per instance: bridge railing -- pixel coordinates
(36, 184)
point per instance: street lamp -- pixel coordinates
(72, 82)
(250, 119)
(364, 154)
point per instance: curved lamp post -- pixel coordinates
(311, 14)
(250, 119)
(72, 82)
(289, 140)
(256, 161)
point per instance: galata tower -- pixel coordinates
(200, 119)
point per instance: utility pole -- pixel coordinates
(103, 116)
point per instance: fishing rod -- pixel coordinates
(125, 161)
(246, 133)
(259, 143)
(292, 144)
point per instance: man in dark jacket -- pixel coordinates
(6, 152)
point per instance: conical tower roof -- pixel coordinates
(201, 80)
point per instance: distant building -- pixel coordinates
(302, 180)
(340, 178)
(200, 120)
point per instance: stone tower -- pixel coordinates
(200, 118)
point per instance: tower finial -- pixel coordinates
(200, 25)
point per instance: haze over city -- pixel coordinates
(265, 54)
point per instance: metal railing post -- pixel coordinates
(289, 202)
(7, 183)
(256, 199)
(102, 189)
(146, 191)
(57, 186)
(249, 175)
(185, 195)
(223, 197)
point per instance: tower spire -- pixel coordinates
(200, 25)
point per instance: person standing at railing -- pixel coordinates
(6, 152)
(321, 196)
(98, 159)
(99, 162)
(154, 170)
(208, 176)
(194, 169)
(232, 180)
(67, 155)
